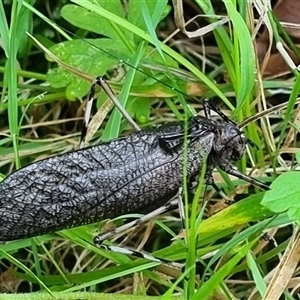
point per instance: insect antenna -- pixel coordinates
(266, 112)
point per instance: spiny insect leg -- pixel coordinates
(98, 240)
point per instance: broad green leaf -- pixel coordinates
(284, 195)
(89, 20)
(86, 56)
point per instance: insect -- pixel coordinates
(137, 173)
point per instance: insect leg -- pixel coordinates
(140, 254)
(98, 240)
(206, 107)
(221, 193)
(181, 210)
(210, 181)
(228, 169)
(87, 115)
(105, 86)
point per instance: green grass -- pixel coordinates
(41, 112)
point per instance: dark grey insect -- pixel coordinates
(133, 174)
